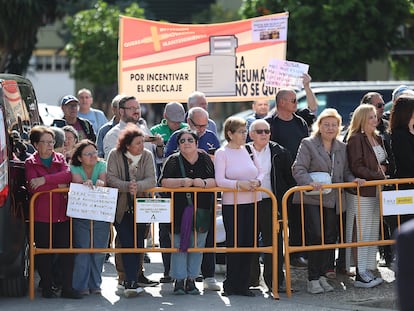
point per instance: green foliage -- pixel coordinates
(93, 46)
(335, 37)
(215, 14)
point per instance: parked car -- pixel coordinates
(18, 114)
(48, 113)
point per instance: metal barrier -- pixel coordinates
(255, 249)
(341, 243)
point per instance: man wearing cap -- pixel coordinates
(107, 126)
(70, 107)
(173, 120)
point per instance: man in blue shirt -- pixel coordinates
(197, 120)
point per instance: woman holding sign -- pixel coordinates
(47, 170)
(131, 169)
(87, 169)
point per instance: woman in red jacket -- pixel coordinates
(47, 170)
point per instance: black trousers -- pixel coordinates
(238, 264)
(320, 261)
(60, 239)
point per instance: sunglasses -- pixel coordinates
(183, 140)
(379, 105)
(262, 131)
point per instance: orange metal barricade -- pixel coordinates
(341, 243)
(255, 249)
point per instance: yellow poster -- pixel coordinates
(161, 62)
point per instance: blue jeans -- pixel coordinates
(187, 265)
(88, 267)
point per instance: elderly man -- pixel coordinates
(110, 124)
(261, 109)
(198, 99)
(95, 116)
(198, 121)
(70, 107)
(276, 162)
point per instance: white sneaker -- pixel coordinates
(314, 287)
(364, 280)
(211, 284)
(323, 281)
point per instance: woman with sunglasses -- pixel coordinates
(87, 169)
(188, 168)
(236, 169)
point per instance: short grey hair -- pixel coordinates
(192, 98)
(196, 110)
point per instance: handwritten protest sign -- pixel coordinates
(97, 203)
(283, 73)
(153, 210)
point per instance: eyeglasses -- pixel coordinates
(243, 132)
(90, 154)
(47, 142)
(198, 125)
(131, 108)
(293, 101)
(266, 131)
(379, 105)
(183, 140)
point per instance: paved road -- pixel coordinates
(345, 296)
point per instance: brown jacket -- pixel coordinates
(363, 162)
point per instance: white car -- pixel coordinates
(49, 112)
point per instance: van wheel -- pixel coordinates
(17, 286)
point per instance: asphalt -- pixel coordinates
(345, 296)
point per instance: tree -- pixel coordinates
(19, 23)
(338, 38)
(93, 45)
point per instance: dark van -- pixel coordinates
(18, 114)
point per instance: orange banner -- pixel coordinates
(162, 62)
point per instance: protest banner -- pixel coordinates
(97, 203)
(161, 62)
(283, 73)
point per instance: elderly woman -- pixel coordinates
(322, 152)
(236, 168)
(188, 168)
(47, 170)
(131, 169)
(88, 170)
(367, 159)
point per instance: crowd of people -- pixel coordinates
(275, 150)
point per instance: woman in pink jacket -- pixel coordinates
(47, 170)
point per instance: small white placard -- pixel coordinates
(284, 73)
(399, 202)
(150, 210)
(97, 203)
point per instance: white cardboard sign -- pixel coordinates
(150, 210)
(399, 202)
(284, 73)
(97, 203)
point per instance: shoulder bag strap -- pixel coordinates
(187, 195)
(129, 196)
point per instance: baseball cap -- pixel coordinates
(398, 91)
(67, 99)
(174, 112)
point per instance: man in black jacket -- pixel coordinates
(276, 161)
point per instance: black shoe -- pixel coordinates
(49, 293)
(299, 263)
(190, 287)
(143, 281)
(71, 294)
(179, 287)
(199, 278)
(146, 258)
(166, 279)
